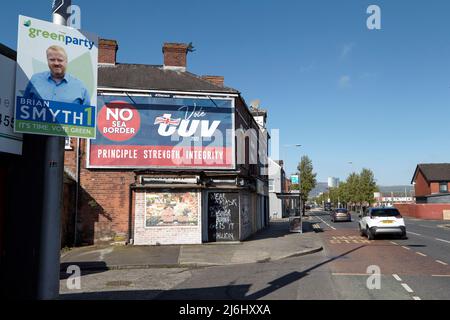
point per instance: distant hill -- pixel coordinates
(320, 187)
(397, 190)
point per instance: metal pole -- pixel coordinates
(50, 238)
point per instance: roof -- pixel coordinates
(433, 171)
(8, 52)
(153, 77)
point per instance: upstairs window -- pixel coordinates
(271, 186)
(443, 187)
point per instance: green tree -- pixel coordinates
(367, 187)
(307, 179)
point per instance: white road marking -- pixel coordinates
(442, 240)
(351, 274)
(416, 298)
(417, 234)
(397, 277)
(327, 223)
(407, 288)
(394, 243)
(439, 261)
(406, 248)
(421, 254)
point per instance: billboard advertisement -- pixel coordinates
(10, 142)
(174, 132)
(56, 80)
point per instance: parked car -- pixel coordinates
(340, 214)
(381, 221)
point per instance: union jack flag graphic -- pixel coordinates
(165, 119)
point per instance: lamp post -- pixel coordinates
(299, 182)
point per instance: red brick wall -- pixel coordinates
(434, 187)
(423, 211)
(104, 202)
(422, 187)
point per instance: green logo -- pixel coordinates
(27, 23)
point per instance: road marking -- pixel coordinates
(439, 261)
(397, 277)
(406, 248)
(416, 298)
(442, 240)
(440, 275)
(421, 254)
(394, 243)
(417, 234)
(327, 223)
(350, 274)
(407, 288)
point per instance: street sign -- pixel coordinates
(56, 80)
(294, 179)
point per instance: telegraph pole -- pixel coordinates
(50, 236)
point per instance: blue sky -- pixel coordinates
(376, 98)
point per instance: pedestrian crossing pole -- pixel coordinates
(50, 231)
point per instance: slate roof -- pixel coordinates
(434, 171)
(7, 52)
(152, 77)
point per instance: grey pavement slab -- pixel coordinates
(272, 243)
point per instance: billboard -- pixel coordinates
(56, 80)
(174, 132)
(10, 142)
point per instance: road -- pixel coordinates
(412, 269)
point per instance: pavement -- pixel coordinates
(270, 244)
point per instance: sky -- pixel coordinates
(352, 97)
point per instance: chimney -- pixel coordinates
(215, 80)
(107, 51)
(175, 56)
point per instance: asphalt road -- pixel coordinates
(338, 272)
(418, 265)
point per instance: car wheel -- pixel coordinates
(361, 231)
(370, 235)
(404, 236)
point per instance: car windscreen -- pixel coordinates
(341, 210)
(385, 213)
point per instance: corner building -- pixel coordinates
(178, 158)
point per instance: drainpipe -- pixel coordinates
(78, 159)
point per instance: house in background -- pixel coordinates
(431, 186)
(432, 183)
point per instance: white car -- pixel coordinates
(381, 221)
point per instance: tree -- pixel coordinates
(307, 179)
(367, 187)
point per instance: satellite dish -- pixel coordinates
(255, 104)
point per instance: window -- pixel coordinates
(67, 144)
(271, 187)
(443, 188)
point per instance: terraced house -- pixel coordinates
(178, 158)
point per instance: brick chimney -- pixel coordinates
(175, 56)
(107, 51)
(215, 80)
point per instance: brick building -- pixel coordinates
(130, 187)
(431, 185)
